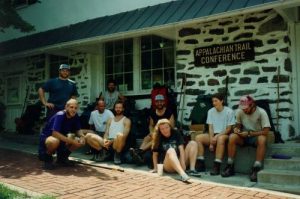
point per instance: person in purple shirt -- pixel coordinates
(59, 136)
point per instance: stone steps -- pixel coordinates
(291, 149)
(292, 164)
(281, 174)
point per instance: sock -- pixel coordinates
(257, 164)
(218, 160)
(230, 161)
(200, 158)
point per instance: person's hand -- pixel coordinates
(153, 171)
(82, 140)
(107, 143)
(76, 143)
(243, 134)
(49, 105)
(213, 141)
(236, 130)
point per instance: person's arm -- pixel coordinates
(172, 121)
(182, 157)
(127, 126)
(155, 160)
(151, 126)
(264, 132)
(42, 98)
(65, 139)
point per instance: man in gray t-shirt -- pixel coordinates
(252, 128)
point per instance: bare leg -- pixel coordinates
(94, 140)
(52, 144)
(191, 152)
(171, 162)
(234, 139)
(261, 148)
(119, 143)
(221, 141)
(202, 141)
(147, 142)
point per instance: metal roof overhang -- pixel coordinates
(171, 15)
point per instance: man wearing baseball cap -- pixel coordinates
(252, 128)
(160, 112)
(60, 90)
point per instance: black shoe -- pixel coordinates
(117, 158)
(136, 157)
(100, 157)
(200, 165)
(253, 175)
(216, 169)
(65, 163)
(193, 173)
(228, 171)
(48, 166)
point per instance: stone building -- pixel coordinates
(253, 44)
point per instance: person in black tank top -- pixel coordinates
(160, 112)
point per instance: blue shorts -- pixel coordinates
(250, 141)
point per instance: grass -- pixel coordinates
(7, 193)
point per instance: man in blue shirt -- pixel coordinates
(60, 90)
(58, 136)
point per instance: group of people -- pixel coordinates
(110, 129)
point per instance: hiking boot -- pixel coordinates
(136, 157)
(65, 163)
(228, 171)
(216, 169)
(117, 158)
(193, 173)
(253, 175)
(200, 165)
(100, 157)
(48, 166)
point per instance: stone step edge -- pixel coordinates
(280, 172)
(279, 187)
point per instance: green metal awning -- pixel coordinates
(161, 15)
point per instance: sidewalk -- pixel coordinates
(23, 169)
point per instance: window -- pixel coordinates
(55, 61)
(119, 63)
(13, 90)
(157, 61)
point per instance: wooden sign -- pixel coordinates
(225, 53)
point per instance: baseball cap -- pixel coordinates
(245, 101)
(159, 97)
(64, 66)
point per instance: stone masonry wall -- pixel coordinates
(36, 77)
(259, 78)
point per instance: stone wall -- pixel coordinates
(36, 76)
(259, 78)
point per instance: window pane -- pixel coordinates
(128, 63)
(109, 65)
(146, 43)
(128, 46)
(169, 76)
(118, 64)
(119, 80)
(156, 59)
(157, 76)
(169, 58)
(119, 47)
(146, 80)
(156, 41)
(129, 81)
(146, 60)
(109, 49)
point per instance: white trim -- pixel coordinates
(295, 50)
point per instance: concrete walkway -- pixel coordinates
(20, 168)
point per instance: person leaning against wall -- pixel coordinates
(60, 90)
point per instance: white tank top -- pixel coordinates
(116, 127)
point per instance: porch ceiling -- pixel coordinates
(163, 16)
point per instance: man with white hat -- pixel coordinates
(252, 128)
(60, 90)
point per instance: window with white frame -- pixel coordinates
(119, 63)
(157, 61)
